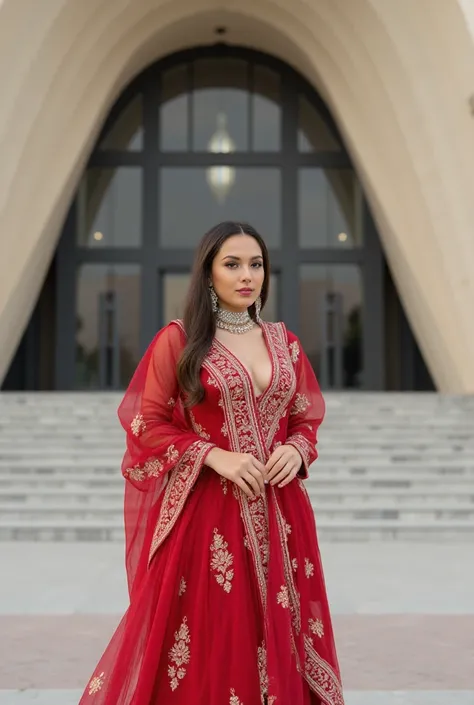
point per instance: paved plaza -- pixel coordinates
(403, 614)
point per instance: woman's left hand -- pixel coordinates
(283, 465)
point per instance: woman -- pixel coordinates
(227, 598)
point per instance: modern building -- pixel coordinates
(343, 130)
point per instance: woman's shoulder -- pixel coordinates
(281, 327)
(171, 337)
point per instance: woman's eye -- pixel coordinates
(257, 265)
(231, 265)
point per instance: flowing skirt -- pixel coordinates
(199, 632)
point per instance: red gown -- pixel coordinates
(228, 604)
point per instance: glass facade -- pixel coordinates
(227, 134)
(107, 325)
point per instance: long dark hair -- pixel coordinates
(198, 319)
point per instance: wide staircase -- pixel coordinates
(391, 466)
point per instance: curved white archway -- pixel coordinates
(396, 76)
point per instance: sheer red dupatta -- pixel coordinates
(157, 439)
(307, 408)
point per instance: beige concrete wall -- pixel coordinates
(397, 76)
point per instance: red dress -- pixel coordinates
(227, 598)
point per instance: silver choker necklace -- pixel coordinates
(234, 321)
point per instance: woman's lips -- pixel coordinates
(245, 292)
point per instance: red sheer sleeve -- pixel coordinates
(307, 407)
(152, 413)
(159, 443)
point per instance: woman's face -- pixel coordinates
(237, 272)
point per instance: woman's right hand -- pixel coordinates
(241, 468)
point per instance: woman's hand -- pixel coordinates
(241, 468)
(283, 465)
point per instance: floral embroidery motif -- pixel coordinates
(221, 562)
(138, 425)
(308, 568)
(182, 587)
(294, 351)
(234, 700)
(321, 676)
(151, 468)
(283, 597)
(180, 482)
(300, 404)
(136, 473)
(171, 402)
(197, 428)
(317, 627)
(294, 564)
(224, 485)
(179, 655)
(172, 454)
(287, 528)
(96, 683)
(224, 430)
(262, 670)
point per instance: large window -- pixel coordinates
(208, 135)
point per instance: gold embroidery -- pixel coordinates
(287, 528)
(308, 568)
(181, 479)
(138, 425)
(221, 562)
(273, 406)
(300, 404)
(251, 426)
(151, 468)
(283, 598)
(321, 677)
(171, 402)
(224, 485)
(262, 670)
(293, 595)
(317, 627)
(243, 428)
(224, 430)
(96, 683)
(234, 700)
(294, 564)
(182, 587)
(197, 428)
(172, 454)
(294, 351)
(136, 473)
(303, 446)
(179, 655)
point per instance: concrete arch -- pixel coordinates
(395, 75)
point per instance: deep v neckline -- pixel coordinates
(246, 371)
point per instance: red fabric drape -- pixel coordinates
(157, 439)
(228, 604)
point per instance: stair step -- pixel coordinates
(391, 466)
(328, 530)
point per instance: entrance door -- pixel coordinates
(211, 134)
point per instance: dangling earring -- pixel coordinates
(214, 299)
(258, 308)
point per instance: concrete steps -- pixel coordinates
(391, 466)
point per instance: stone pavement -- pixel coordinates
(403, 615)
